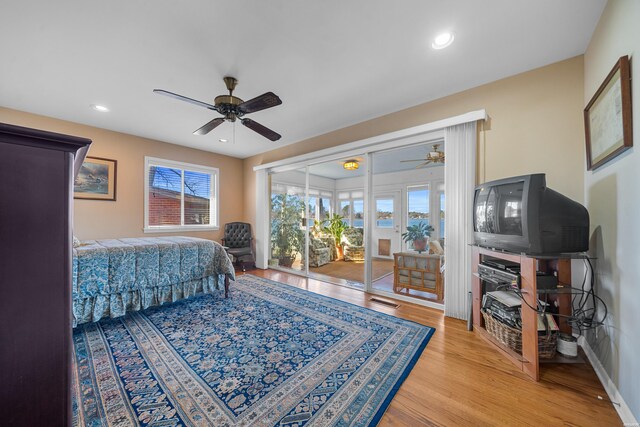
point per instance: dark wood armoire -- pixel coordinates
(36, 201)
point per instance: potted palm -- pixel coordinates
(335, 226)
(418, 234)
(287, 235)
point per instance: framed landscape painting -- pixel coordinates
(96, 180)
(607, 118)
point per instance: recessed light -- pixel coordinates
(100, 108)
(223, 140)
(442, 40)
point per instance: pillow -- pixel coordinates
(76, 242)
(435, 248)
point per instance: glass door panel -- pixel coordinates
(417, 208)
(386, 226)
(288, 248)
(408, 191)
(384, 212)
(336, 241)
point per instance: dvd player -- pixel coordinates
(501, 264)
(498, 276)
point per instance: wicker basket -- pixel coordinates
(512, 337)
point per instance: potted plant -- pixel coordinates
(287, 235)
(418, 234)
(335, 226)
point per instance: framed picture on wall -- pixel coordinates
(96, 179)
(607, 117)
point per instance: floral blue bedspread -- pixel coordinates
(112, 277)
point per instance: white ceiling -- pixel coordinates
(333, 63)
(383, 162)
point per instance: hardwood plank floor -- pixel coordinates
(460, 380)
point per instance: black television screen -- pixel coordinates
(505, 199)
(521, 214)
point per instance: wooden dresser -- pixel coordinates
(36, 201)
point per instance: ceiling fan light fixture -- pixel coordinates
(443, 40)
(351, 165)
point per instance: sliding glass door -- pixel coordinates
(347, 222)
(317, 221)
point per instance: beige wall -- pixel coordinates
(612, 195)
(125, 216)
(536, 126)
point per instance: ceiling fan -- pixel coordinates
(232, 108)
(433, 156)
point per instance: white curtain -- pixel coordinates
(459, 185)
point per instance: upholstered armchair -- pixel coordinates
(237, 239)
(352, 244)
(330, 242)
(319, 252)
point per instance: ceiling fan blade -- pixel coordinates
(422, 165)
(184, 98)
(209, 126)
(262, 102)
(262, 130)
(415, 160)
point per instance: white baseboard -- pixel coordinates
(612, 391)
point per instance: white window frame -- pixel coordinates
(214, 204)
(349, 203)
(354, 194)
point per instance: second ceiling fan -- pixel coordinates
(433, 156)
(232, 108)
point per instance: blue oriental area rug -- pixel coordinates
(269, 355)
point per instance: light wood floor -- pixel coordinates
(460, 380)
(354, 271)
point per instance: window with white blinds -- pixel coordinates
(180, 196)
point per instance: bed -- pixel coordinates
(115, 276)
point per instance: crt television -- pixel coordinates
(521, 214)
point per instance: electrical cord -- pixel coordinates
(583, 317)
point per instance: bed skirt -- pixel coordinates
(113, 277)
(92, 309)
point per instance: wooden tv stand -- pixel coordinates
(528, 360)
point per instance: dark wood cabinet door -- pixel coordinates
(36, 177)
